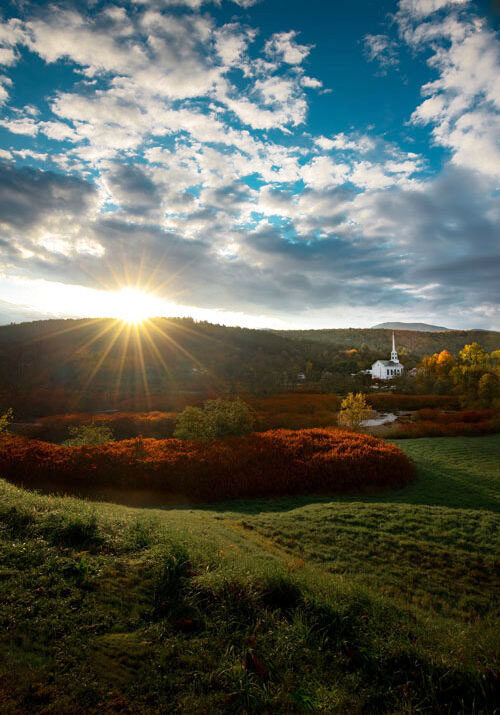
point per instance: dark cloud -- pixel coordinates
(27, 195)
(133, 189)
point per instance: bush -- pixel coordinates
(467, 416)
(411, 402)
(451, 429)
(217, 419)
(89, 435)
(271, 463)
(124, 425)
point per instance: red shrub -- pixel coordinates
(262, 464)
(124, 425)
(391, 401)
(450, 429)
(462, 416)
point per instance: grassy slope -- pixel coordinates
(381, 603)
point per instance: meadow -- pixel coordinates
(375, 603)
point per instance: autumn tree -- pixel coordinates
(474, 355)
(488, 388)
(353, 410)
(5, 420)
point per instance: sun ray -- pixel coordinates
(100, 334)
(176, 344)
(120, 328)
(123, 357)
(143, 365)
(154, 347)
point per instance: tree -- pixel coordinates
(495, 356)
(488, 388)
(88, 435)
(474, 355)
(218, 418)
(5, 420)
(353, 410)
(444, 363)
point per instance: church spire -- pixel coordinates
(394, 355)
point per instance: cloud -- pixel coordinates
(29, 195)
(283, 46)
(132, 188)
(421, 8)
(169, 159)
(463, 102)
(382, 49)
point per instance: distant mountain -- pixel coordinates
(421, 327)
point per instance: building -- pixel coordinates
(387, 369)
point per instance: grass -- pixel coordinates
(385, 603)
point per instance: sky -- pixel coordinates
(267, 163)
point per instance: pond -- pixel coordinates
(382, 418)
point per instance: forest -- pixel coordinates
(63, 366)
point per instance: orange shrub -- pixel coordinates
(271, 463)
(451, 429)
(124, 425)
(468, 416)
(391, 401)
(294, 411)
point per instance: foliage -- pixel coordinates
(193, 424)
(5, 420)
(394, 401)
(123, 425)
(474, 355)
(488, 388)
(430, 428)
(353, 410)
(89, 435)
(218, 418)
(437, 423)
(269, 463)
(474, 376)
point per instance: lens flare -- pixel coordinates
(133, 306)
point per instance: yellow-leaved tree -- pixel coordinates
(5, 418)
(353, 410)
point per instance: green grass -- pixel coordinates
(380, 603)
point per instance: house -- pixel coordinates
(387, 369)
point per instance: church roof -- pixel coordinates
(388, 363)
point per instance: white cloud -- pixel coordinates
(284, 46)
(421, 8)
(353, 142)
(463, 102)
(310, 82)
(323, 173)
(25, 125)
(382, 49)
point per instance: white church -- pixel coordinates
(387, 369)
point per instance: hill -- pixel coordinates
(372, 604)
(55, 366)
(421, 327)
(416, 342)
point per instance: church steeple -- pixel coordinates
(394, 355)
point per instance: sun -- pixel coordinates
(134, 306)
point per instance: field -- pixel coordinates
(380, 603)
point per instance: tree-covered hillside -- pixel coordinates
(418, 342)
(53, 366)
